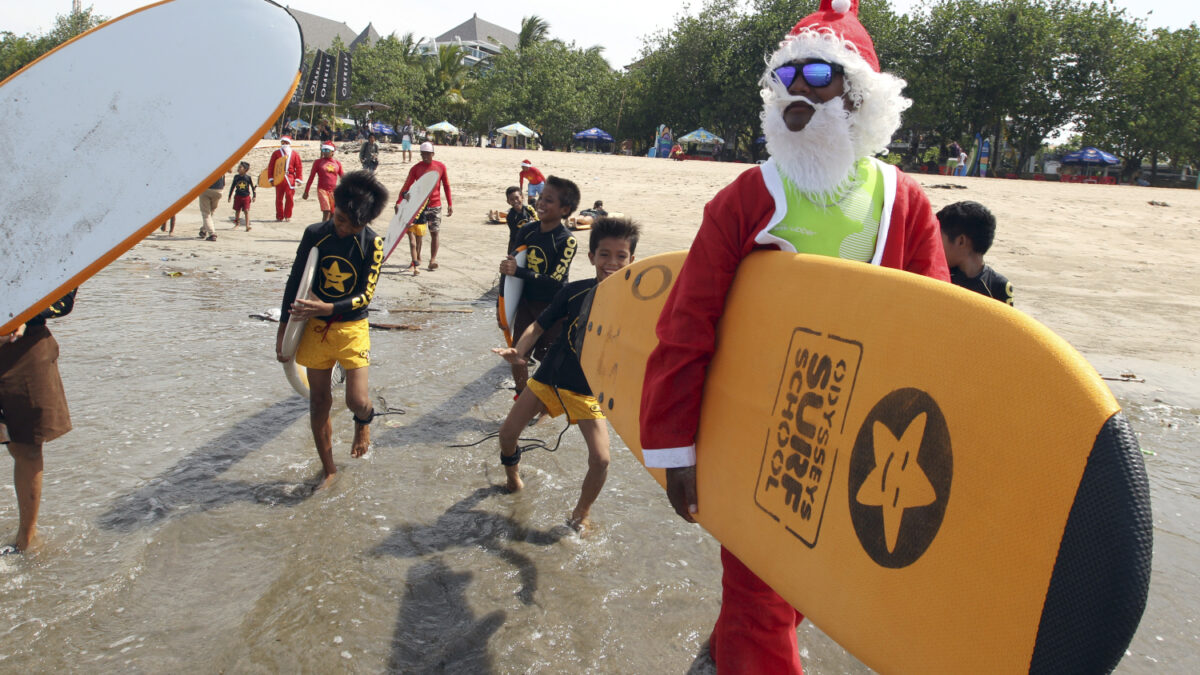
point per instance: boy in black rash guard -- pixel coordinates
(559, 384)
(968, 229)
(519, 213)
(549, 247)
(350, 255)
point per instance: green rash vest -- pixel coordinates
(845, 228)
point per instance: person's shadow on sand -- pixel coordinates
(436, 631)
(461, 526)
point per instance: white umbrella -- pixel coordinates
(517, 129)
(443, 126)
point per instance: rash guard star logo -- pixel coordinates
(335, 279)
(897, 483)
(535, 260)
(901, 470)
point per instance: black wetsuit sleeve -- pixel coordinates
(548, 284)
(293, 282)
(368, 277)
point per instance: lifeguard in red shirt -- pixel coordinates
(537, 181)
(285, 177)
(431, 217)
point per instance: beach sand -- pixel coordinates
(1100, 265)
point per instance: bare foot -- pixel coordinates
(581, 524)
(362, 440)
(326, 481)
(30, 545)
(515, 484)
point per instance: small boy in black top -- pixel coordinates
(241, 193)
(519, 213)
(549, 248)
(967, 232)
(559, 384)
(350, 256)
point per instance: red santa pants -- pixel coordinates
(284, 195)
(756, 629)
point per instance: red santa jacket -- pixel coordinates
(295, 168)
(737, 221)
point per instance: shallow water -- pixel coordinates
(182, 530)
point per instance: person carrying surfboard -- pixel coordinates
(350, 257)
(827, 109)
(559, 384)
(549, 249)
(33, 410)
(431, 216)
(285, 171)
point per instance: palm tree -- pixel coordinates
(534, 29)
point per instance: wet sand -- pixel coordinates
(181, 534)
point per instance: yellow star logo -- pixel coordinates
(335, 278)
(897, 482)
(535, 261)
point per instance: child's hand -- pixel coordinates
(306, 194)
(510, 354)
(508, 266)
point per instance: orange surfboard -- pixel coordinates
(937, 481)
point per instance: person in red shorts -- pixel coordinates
(827, 110)
(242, 193)
(327, 171)
(285, 178)
(33, 410)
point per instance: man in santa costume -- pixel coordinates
(827, 110)
(285, 177)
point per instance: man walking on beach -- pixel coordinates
(431, 217)
(285, 171)
(407, 136)
(827, 109)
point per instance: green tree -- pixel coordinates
(390, 72)
(17, 51)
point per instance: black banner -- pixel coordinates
(343, 77)
(325, 79)
(302, 85)
(310, 85)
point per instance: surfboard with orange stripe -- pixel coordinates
(123, 126)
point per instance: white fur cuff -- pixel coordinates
(670, 458)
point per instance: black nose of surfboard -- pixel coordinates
(1101, 577)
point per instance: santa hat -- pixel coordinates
(286, 139)
(328, 147)
(832, 33)
(526, 164)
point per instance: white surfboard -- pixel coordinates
(510, 295)
(295, 327)
(418, 196)
(114, 133)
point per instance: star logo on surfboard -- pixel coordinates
(336, 279)
(900, 475)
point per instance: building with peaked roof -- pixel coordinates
(320, 32)
(479, 39)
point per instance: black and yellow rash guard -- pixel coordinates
(61, 308)
(347, 270)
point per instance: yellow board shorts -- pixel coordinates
(578, 406)
(344, 342)
(418, 229)
(325, 199)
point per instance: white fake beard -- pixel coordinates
(819, 159)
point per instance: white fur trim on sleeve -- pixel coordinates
(670, 458)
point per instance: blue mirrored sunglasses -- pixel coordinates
(816, 74)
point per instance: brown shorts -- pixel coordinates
(528, 312)
(31, 392)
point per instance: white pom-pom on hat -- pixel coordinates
(841, 6)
